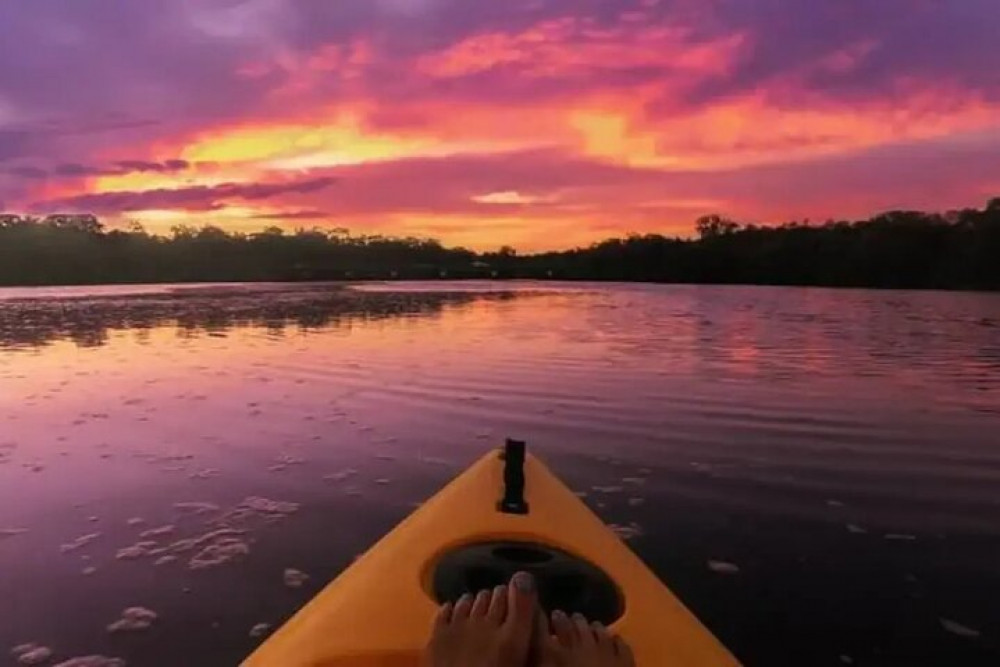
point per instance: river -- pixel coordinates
(837, 450)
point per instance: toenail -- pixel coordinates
(524, 582)
(559, 614)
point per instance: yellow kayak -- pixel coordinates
(505, 513)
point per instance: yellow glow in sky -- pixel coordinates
(338, 141)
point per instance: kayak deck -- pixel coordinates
(378, 612)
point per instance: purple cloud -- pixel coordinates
(896, 40)
(195, 198)
(14, 143)
(28, 172)
(158, 167)
(74, 169)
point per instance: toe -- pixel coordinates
(543, 643)
(521, 602)
(462, 608)
(563, 628)
(603, 638)
(497, 611)
(518, 627)
(624, 652)
(439, 638)
(481, 604)
(584, 635)
(443, 616)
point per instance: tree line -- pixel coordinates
(898, 249)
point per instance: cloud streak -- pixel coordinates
(77, 170)
(195, 198)
(305, 214)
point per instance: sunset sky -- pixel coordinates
(535, 123)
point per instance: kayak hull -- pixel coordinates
(378, 612)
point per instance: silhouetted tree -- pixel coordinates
(904, 249)
(708, 226)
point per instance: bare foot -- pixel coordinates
(492, 629)
(573, 642)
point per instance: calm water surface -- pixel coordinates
(840, 448)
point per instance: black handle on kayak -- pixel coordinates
(513, 479)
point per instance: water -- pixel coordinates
(840, 448)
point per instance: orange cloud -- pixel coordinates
(754, 130)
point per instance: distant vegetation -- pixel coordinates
(903, 249)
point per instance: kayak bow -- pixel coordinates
(505, 513)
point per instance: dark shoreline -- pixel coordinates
(206, 286)
(955, 250)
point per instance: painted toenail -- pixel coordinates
(524, 582)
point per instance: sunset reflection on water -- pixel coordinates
(770, 428)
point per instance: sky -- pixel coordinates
(539, 124)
